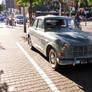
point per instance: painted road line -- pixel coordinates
(41, 72)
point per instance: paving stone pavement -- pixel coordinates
(87, 27)
(18, 72)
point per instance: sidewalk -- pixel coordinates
(17, 73)
(87, 27)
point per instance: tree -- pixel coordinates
(2, 7)
(30, 4)
(85, 3)
(90, 2)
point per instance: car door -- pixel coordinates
(33, 33)
(40, 33)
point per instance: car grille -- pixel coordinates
(77, 51)
(81, 50)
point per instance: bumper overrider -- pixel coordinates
(76, 55)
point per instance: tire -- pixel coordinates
(53, 59)
(30, 42)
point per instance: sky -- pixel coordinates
(0, 1)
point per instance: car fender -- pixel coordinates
(49, 46)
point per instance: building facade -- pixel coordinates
(10, 4)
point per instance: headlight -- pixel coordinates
(62, 45)
(65, 46)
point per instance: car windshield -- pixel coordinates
(55, 23)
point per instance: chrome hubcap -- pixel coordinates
(53, 59)
(29, 42)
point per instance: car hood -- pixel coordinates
(74, 38)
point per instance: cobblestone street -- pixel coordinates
(18, 74)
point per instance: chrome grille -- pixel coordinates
(80, 51)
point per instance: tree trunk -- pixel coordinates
(24, 19)
(30, 13)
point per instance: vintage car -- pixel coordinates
(60, 40)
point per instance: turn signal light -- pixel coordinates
(60, 54)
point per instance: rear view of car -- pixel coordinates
(19, 19)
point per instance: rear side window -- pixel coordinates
(35, 23)
(40, 24)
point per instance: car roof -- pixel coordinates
(53, 16)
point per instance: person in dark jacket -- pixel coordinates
(77, 20)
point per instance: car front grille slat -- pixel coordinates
(78, 51)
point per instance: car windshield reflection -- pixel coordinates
(59, 24)
(55, 23)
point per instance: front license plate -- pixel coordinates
(77, 61)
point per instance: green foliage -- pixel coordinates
(2, 6)
(34, 2)
(85, 3)
(22, 2)
(89, 2)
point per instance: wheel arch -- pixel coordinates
(48, 49)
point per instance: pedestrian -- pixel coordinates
(6, 21)
(78, 20)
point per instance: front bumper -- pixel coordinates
(76, 55)
(74, 61)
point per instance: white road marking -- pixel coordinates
(41, 72)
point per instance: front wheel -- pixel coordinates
(53, 59)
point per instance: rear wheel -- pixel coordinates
(30, 42)
(53, 59)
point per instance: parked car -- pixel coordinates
(2, 17)
(60, 40)
(90, 19)
(19, 19)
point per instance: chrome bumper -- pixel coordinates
(74, 61)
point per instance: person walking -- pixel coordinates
(78, 20)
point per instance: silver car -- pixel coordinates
(60, 40)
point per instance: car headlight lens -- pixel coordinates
(65, 46)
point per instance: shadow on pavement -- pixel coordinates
(1, 27)
(1, 47)
(80, 74)
(24, 38)
(3, 86)
(34, 49)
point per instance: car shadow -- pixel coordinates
(80, 74)
(37, 51)
(1, 47)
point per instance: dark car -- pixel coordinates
(60, 40)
